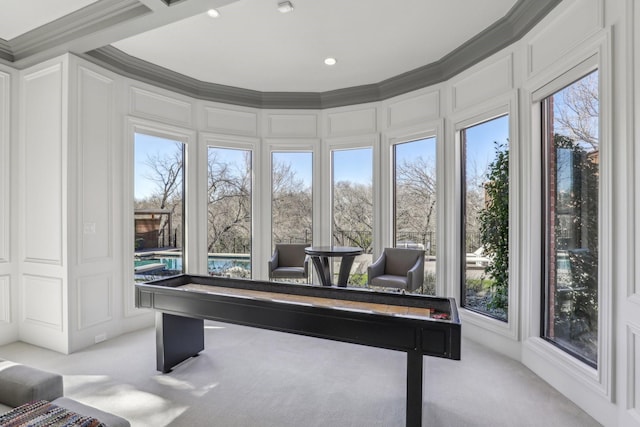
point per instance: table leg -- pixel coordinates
(345, 270)
(177, 339)
(321, 263)
(414, 389)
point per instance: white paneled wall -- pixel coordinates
(43, 194)
(161, 107)
(290, 124)
(486, 81)
(93, 216)
(628, 301)
(412, 109)
(44, 149)
(8, 287)
(227, 120)
(571, 24)
(5, 163)
(351, 121)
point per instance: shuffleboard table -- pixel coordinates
(416, 324)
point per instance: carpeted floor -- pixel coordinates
(253, 377)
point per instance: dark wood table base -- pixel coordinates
(320, 255)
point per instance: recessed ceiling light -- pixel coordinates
(213, 13)
(285, 7)
(330, 61)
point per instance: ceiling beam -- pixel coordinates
(97, 25)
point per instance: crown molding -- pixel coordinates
(6, 54)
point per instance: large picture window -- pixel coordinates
(158, 207)
(229, 219)
(415, 203)
(485, 244)
(352, 190)
(291, 197)
(570, 119)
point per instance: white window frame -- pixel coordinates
(326, 205)
(499, 106)
(546, 359)
(299, 145)
(188, 138)
(389, 140)
(206, 140)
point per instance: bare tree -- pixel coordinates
(229, 204)
(291, 206)
(415, 198)
(475, 179)
(353, 215)
(577, 112)
(166, 171)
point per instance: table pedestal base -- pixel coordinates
(323, 268)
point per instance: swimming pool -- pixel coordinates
(160, 265)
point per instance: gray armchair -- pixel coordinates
(398, 268)
(289, 261)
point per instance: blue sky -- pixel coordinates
(353, 165)
(480, 147)
(301, 162)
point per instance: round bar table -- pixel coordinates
(320, 256)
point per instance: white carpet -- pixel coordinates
(252, 377)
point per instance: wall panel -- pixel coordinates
(5, 193)
(353, 122)
(44, 151)
(5, 299)
(633, 370)
(292, 125)
(414, 109)
(484, 83)
(159, 107)
(42, 301)
(94, 145)
(230, 122)
(579, 20)
(94, 300)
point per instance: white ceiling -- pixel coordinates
(253, 46)
(21, 16)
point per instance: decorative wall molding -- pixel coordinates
(353, 121)
(42, 301)
(580, 20)
(291, 125)
(227, 120)
(5, 299)
(412, 110)
(155, 106)
(95, 296)
(5, 165)
(633, 370)
(94, 146)
(485, 83)
(43, 158)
